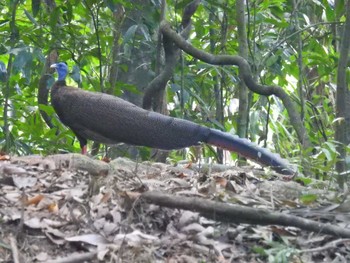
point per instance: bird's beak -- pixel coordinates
(53, 66)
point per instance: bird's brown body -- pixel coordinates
(109, 119)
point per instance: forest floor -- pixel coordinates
(70, 208)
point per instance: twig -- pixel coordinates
(329, 245)
(21, 222)
(14, 249)
(241, 214)
(75, 258)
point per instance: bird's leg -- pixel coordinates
(84, 150)
(83, 144)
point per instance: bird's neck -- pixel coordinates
(61, 75)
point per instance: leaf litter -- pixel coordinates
(70, 208)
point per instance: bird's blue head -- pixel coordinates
(62, 70)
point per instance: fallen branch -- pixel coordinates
(331, 245)
(70, 161)
(241, 214)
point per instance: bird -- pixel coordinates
(110, 120)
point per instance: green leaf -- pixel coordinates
(130, 33)
(145, 32)
(30, 17)
(175, 87)
(22, 63)
(50, 82)
(67, 12)
(305, 180)
(18, 89)
(3, 72)
(332, 146)
(340, 8)
(259, 250)
(47, 109)
(75, 75)
(54, 16)
(111, 5)
(308, 198)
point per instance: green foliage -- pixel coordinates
(308, 198)
(278, 252)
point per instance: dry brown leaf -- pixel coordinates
(107, 196)
(34, 200)
(230, 186)
(92, 239)
(53, 208)
(221, 181)
(187, 217)
(106, 159)
(135, 238)
(4, 157)
(188, 165)
(10, 169)
(24, 181)
(282, 231)
(182, 175)
(35, 223)
(130, 195)
(42, 257)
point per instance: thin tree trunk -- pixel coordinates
(14, 39)
(342, 86)
(217, 87)
(243, 109)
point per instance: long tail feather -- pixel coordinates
(249, 150)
